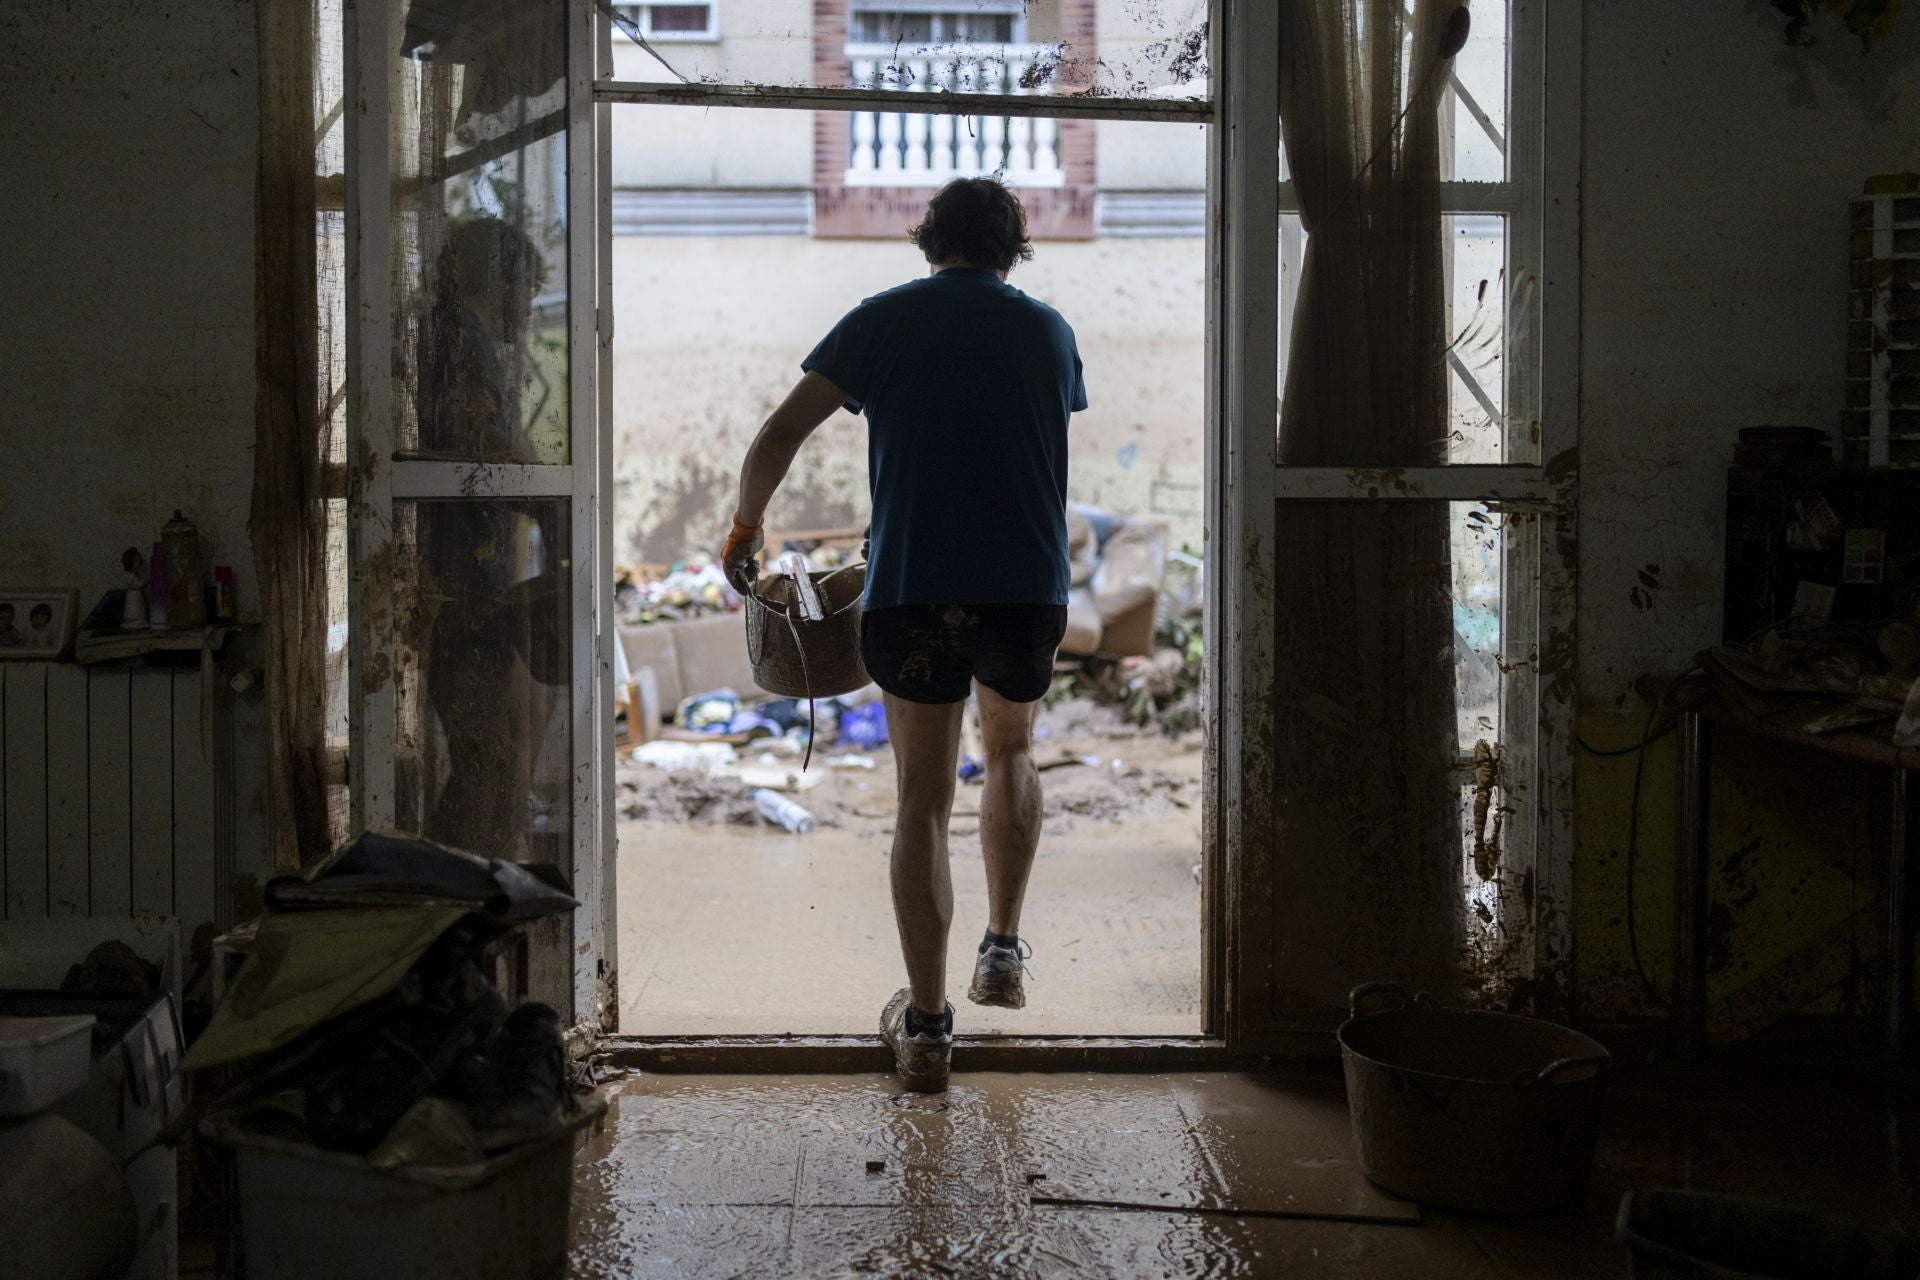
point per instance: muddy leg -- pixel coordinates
(925, 744)
(1010, 806)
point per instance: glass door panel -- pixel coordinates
(478, 157)
(483, 736)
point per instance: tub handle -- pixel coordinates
(1369, 990)
(1598, 1061)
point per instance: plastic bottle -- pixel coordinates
(775, 807)
(224, 609)
(186, 582)
(157, 588)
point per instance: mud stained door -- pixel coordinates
(473, 533)
(1420, 594)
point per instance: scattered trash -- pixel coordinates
(686, 757)
(781, 811)
(684, 590)
(754, 726)
(971, 767)
(710, 712)
(777, 777)
(850, 761)
(864, 727)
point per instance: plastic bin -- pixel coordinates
(1692, 1235)
(308, 1214)
(42, 1060)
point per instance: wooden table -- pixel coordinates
(1874, 746)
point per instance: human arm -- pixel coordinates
(810, 403)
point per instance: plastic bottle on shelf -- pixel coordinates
(186, 584)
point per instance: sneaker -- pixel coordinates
(999, 976)
(923, 1060)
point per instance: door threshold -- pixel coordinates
(822, 1055)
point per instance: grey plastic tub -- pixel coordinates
(1481, 1112)
(308, 1214)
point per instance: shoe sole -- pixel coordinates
(933, 1081)
(997, 994)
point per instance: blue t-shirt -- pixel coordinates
(967, 384)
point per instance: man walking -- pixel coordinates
(967, 384)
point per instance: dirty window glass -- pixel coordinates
(330, 381)
(1151, 49)
(479, 166)
(1352, 374)
(1473, 107)
(483, 744)
(1486, 309)
(1390, 626)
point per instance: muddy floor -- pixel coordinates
(1188, 1175)
(729, 925)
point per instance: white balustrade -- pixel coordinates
(993, 143)
(866, 126)
(911, 149)
(1019, 147)
(1046, 145)
(890, 142)
(917, 135)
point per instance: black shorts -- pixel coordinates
(932, 652)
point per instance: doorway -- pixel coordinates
(864, 125)
(721, 281)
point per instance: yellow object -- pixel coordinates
(310, 966)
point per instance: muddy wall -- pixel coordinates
(1716, 170)
(709, 335)
(127, 145)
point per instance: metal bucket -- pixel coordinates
(796, 657)
(1483, 1112)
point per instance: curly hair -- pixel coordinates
(977, 221)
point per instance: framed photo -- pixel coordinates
(36, 626)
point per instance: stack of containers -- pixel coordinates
(1880, 425)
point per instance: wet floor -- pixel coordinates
(1195, 1175)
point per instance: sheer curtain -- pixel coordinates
(288, 519)
(1368, 799)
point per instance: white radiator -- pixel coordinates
(114, 801)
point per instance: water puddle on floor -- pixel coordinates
(1004, 1175)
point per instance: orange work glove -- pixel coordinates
(738, 552)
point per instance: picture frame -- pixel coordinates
(37, 624)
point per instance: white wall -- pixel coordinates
(127, 145)
(1717, 168)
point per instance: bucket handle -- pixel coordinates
(1369, 990)
(1598, 1061)
(778, 610)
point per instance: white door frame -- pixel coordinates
(376, 482)
(1244, 478)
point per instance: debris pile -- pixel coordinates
(1827, 678)
(368, 1020)
(661, 593)
(1159, 690)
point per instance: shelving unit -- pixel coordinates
(1880, 425)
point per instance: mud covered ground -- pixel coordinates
(731, 926)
